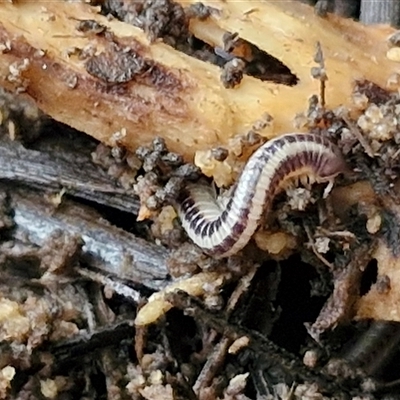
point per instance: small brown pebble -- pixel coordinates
(118, 153)
(220, 153)
(142, 152)
(188, 171)
(200, 11)
(253, 138)
(159, 145)
(173, 159)
(232, 73)
(133, 161)
(153, 203)
(394, 39)
(310, 358)
(90, 26)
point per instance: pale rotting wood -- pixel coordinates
(199, 112)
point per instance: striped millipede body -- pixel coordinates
(222, 229)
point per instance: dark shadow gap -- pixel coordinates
(297, 304)
(369, 277)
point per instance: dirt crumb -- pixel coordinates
(159, 19)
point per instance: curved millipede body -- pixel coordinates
(223, 229)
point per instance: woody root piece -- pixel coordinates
(382, 300)
(115, 84)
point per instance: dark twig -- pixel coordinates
(320, 73)
(106, 248)
(359, 136)
(339, 306)
(85, 343)
(212, 366)
(55, 164)
(375, 346)
(113, 284)
(217, 358)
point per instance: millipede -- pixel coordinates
(222, 228)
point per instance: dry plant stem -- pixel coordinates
(360, 137)
(84, 343)
(111, 283)
(214, 362)
(102, 314)
(140, 342)
(340, 305)
(217, 358)
(113, 370)
(61, 167)
(185, 102)
(109, 249)
(317, 254)
(111, 364)
(380, 12)
(241, 289)
(259, 343)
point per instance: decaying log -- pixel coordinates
(179, 97)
